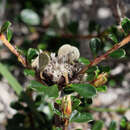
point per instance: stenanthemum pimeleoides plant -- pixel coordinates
(69, 80)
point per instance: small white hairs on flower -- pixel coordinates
(69, 52)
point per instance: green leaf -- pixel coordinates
(31, 54)
(95, 45)
(21, 51)
(113, 37)
(80, 117)
(68, 90)
(92, 69)
(90, 77)
(112, 126)
(115, 34)
(11, 79)
(30, 17)
(57, 112)
(98, 125)
(5, 26)
(84, 60)
(76, 102)
(51, 91)
(123, 122)
(125, 23)
(58, 101)
(120, 53)
(29, 72)
(102, 88)
(58, 128)
(112, 83)
(42, 46)
(85, 90)
(9, 34)
(107, 46)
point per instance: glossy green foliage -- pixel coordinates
(51, 91)
(112, 126)
(5, 26)
(125, 23)
(120, 53)
(31, 54)
(30, 17)
(98, 125)
(80, 117)
(95, 45)
(85, 90)
(84, 60)
(28, 72)
(9, 34)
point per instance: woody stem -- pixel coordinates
(13, 50)
(104, 56)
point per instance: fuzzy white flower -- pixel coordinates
(70, 53)
(52, 67)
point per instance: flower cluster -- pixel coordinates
(66, 63)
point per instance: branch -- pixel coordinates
(79, 36)
(19, 56)
(13, 50)
(89, 36)
(104, 56)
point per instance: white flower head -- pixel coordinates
(54, 67)
(70, 52)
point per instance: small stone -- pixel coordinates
(2, 117)
(127, 115)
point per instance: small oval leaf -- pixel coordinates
(113, 37)
(84, 60)
(125, 23)
(123, 122)
(85, 90)
(120, 53)
(29, 72)
(5, 26)
(98, 125)
(9, 34)
(32, 54)
(80, 117)
(102, 88)
(30, 17)
(95, 45)
(51, 91)
(112, 126)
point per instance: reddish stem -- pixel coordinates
(104, 56)
(13, 50)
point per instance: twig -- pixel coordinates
(104, 56)
(13, 50)
(89, 36)
(19, 56)
(65, 127)
(78, 36)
